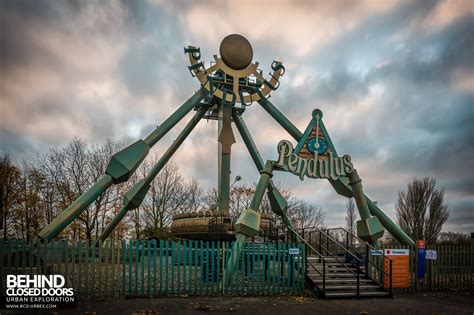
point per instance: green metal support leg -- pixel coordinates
(76, 208)
(397, 232)
(134, 197)
(248, 224)
(169, 123)
(280, 118)
(277, 202)
(368, 227)
(120, 168)
(341, 185)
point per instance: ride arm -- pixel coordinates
(120, 168)
(277, 201)
(248, 223)
(134, 197)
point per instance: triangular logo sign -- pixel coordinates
(314, 155)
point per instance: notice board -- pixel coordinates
(400, 267)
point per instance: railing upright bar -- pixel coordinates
(327, 240)
(358, 278)
(347, 240)
(381, 270)
(324, 277)
(367, 257)
(319, 243)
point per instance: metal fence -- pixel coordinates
(159, 268)
(452, 270)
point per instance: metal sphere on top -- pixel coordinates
(236, 51)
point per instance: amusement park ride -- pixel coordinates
(230, 84)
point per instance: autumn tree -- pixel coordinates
(420, 210)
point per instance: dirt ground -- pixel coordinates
(408, 303)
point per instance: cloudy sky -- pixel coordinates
(394, 79)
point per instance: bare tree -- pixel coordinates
(194, 197)
(240, 199)
(454, 238)
(9, 188)
(98, 212)
(287, 194)
(351, 218)
(210, 199)
(166, 197)
(306, 215)
(420, 210)
(66, 169)
(388, 239)
(67, 173)
(28, 214)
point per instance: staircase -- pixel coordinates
(339, 265)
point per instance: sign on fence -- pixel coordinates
(397, 252)
(400, 267)
(294, 251)
(431, 254)
(376, 252)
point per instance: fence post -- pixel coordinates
(430, 274)
(73, 258)
(319, 244)
(2, 259)
(149, 266)
(179, 267)
(124, 265)
(207, 268)
(99, 249)
(172, 267)
(224, 270)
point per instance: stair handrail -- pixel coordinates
(340, 228)
(323, 274)
(361, 240)
(327, 251)
(367, 259)
(332, 255)
(307, 244)
(337, 243)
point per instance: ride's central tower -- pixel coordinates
(233, 82)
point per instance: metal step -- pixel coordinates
(354, 294)
(340, 275)
(327, 259)
(334, 263)
(339, 268)
(319, 281)
(365, 287)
